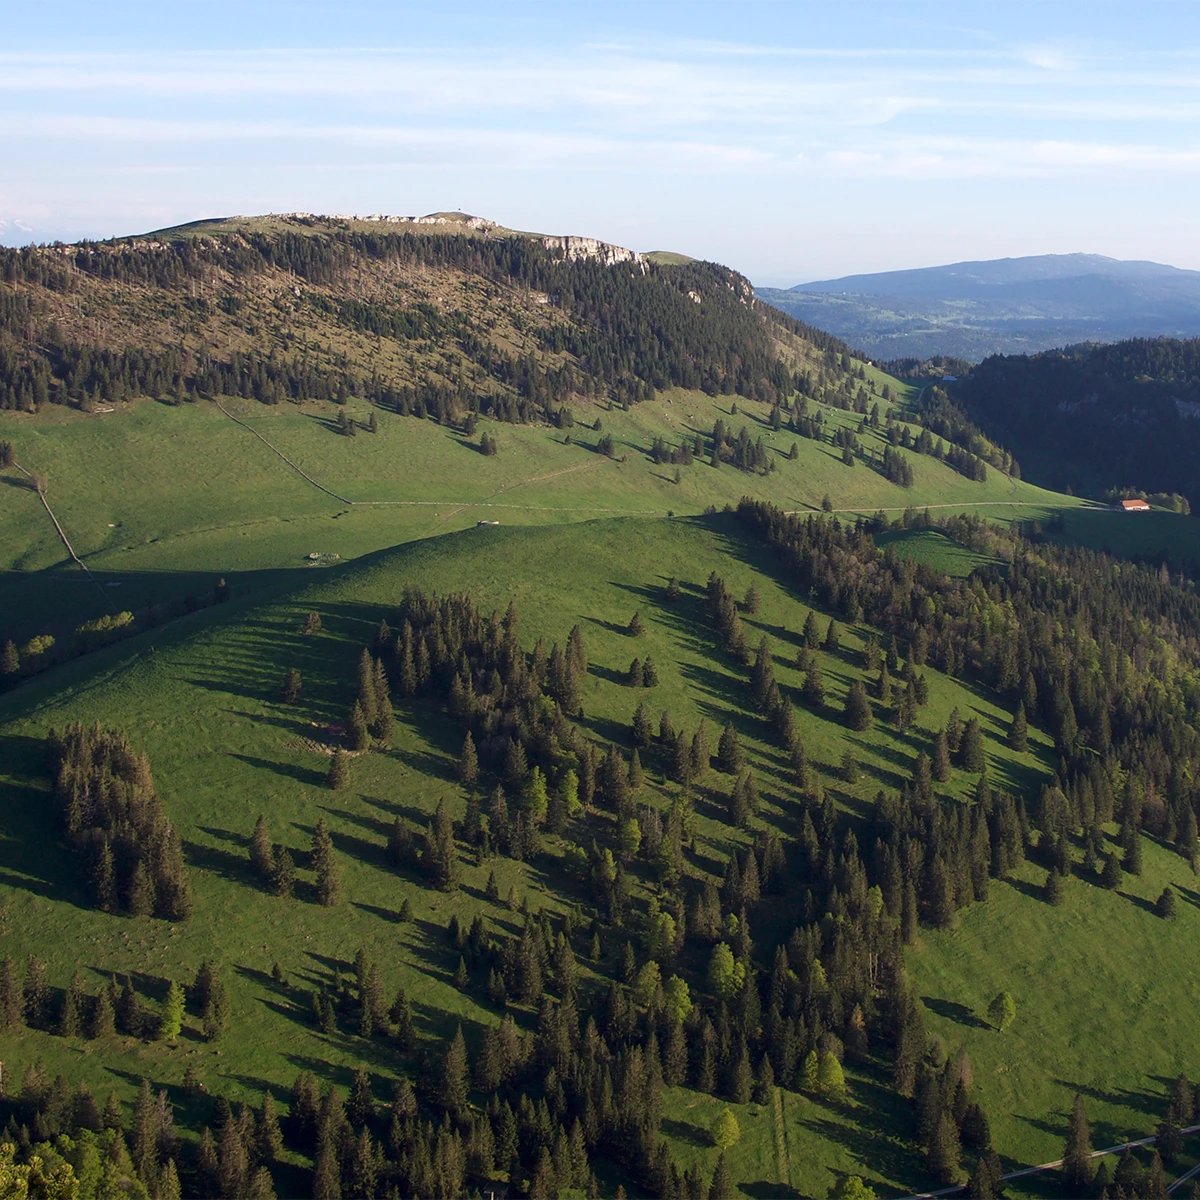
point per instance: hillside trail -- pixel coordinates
(457, 505)
(70, 549)
(275, 450)
(783, 1158)
(799, 512)
(1058, 1162)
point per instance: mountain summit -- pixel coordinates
(1008, 305)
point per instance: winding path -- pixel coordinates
(1058, 1162)
(70, 549)
(299, 471)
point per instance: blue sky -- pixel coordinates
(792, 141)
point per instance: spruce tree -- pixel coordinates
(358, 735)
(811, 637)
(325, 866)
(292, 686)
(729, 750)
(973, 758)
(643, 728)
(262, 857)
(268, 1138)
(945, 1150)
(283, 875)
(1018, 733)
(814, 686)
(1110, 876)
(722, 1187)
(940, 766)
(1133, 851)
(70, 1020)
(454, 1077)
(10, 660)
(103, 1020)
(339, 770)
(858, 708)
(1165, 904)
(1077, 1154)
(468, 762)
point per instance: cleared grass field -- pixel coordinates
(160, 500)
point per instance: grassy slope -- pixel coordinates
(1101, 985)
(162, 500)
(201, 697)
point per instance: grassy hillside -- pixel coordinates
(162, 500)
(204, 704)
(202, 698)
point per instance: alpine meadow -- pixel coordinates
(492, 714)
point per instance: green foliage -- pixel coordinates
(1002, 1011)
(170, 1021)
(726, 1131)
(851, 1187)
(725, 975)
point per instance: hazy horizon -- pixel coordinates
(791, 142)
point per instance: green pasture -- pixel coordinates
(160, 501)
(200, 696)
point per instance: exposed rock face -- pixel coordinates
(573, 248)
(586, 247)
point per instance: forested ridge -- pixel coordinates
(1096, 418)
(336, 314)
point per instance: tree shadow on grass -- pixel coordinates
(392, 916)
(960, 1014)
(1139, 902)
(616, 677)
(418, 816)
(361, 850)
(685, 1131)
(235, 867)
(764, 1190)
(305, 775)
(1032, 890)
(1150, 1103)
(373, 825)
(612, 627)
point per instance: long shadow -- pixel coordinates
(372, 824)
(612, 627)
(235, 867)
(1138, 902)
(953, 1011)
(620, 678)
(1032, 890)
(1153, 1105)
(305, 775)
(417, 816)
(390, 915)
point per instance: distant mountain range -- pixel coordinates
(1002, 306)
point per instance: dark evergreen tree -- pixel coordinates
(729, 750)
(325, 866)
(339, 770)
(858, 708)
(1077, 1153)
(1018, 733)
